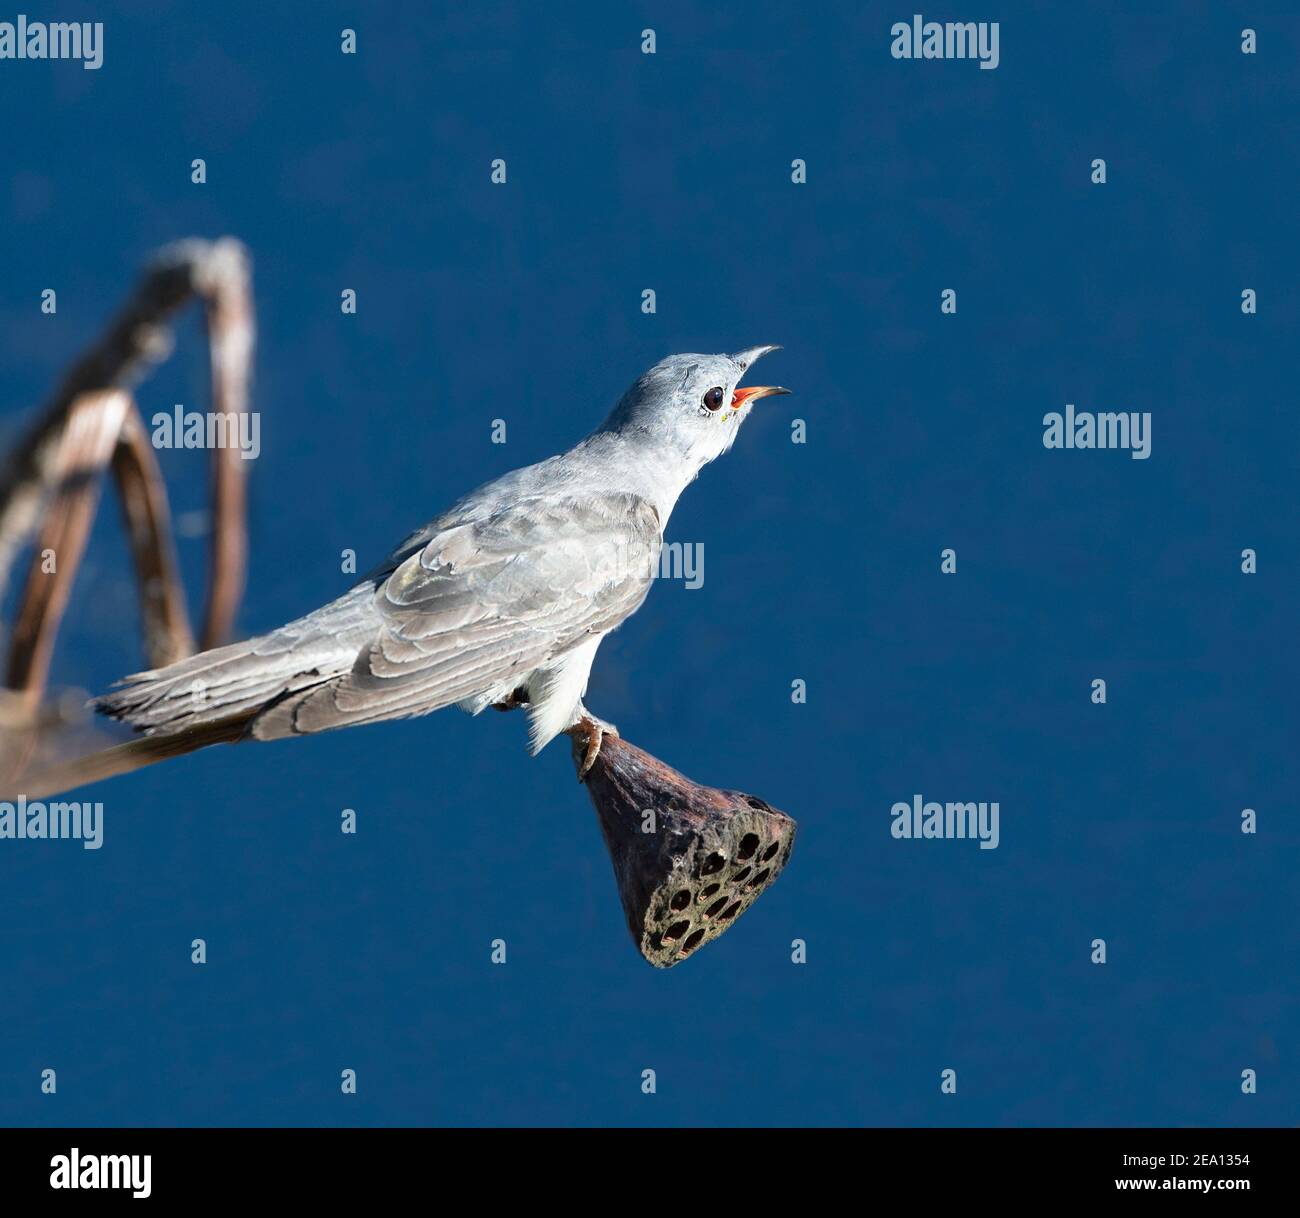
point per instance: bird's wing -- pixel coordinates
(485, 601)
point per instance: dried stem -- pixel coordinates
(167, 634)
(138, 338)
(51, 480)
(85, 444)
(230, 342)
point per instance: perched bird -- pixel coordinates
(502, 600)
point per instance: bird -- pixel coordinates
(500, 601)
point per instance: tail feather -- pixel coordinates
(235, 680)
(201, 689)
(216, 696)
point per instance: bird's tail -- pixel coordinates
(214, 697)
(240, 680)
(133, 755)
(208, 688)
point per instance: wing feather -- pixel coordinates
(483, 603)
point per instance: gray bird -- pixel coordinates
(502, 600)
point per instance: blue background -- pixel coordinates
(522, 302)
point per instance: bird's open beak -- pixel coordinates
(751, 393)
(751, 355)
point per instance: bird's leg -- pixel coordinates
(586, 726)
(516, 699)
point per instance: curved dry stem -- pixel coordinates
(85, 444)
(143, 494)
(230, 344)
(217, 272)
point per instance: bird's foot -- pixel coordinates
(588, 727)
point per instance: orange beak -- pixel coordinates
(751, 393)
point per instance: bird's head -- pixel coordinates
(692, 404)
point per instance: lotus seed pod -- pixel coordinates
(706, 858)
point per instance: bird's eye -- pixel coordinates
(713, 399)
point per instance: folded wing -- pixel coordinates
(467, 615)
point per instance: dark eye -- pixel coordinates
(713, 399)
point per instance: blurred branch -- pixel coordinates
(51, 480)
(230, 343)
(167, 634)
(138, 338)
(75, 463)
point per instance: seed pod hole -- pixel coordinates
(675, 931)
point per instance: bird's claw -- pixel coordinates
(595, 731)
